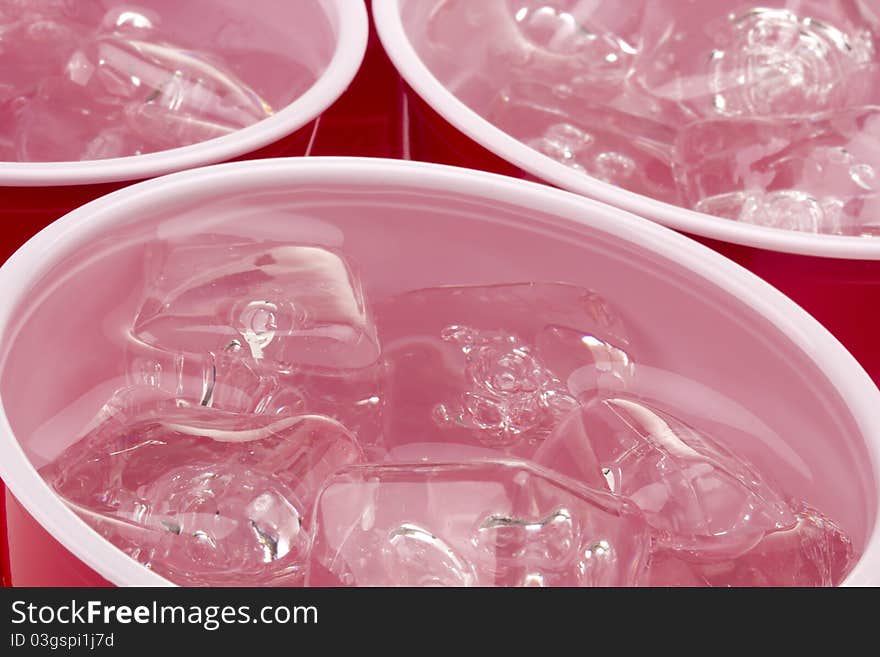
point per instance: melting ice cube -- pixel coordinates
(620, 140)
(722, 59)
(114, 92)
(814, 552)
(132, 21)
(483, 523)
(295, 305)
(189, 490)
(488, 364)
(60, 122)
(170, 96)
(562, 42)
(34, 47)
(578, 44)
(287, 323)
(703, 499)
(508, 394)
(815, 175)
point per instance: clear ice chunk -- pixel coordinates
(579, 44)
(562, 42)
(722, 58)
(487, 365)
(276, 327)
(702, 499)
(33, 48)
(509, 395)
(291, 304)
(815, 552)
(118, 92)
(619, 141)
(587, 364)
(141, 428)
(816, 175)
(71, 10)
(169, 96)
(229, 380)
(200, 495)
(226, 526)
(61, 122)
(484, 523)
(131, 21)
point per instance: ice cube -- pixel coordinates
(816, 175)
(151, 465)
(61, 122)
(9, 112)
(81, 11)
(703, 499)
(448, 20)
(225, 526)
(579, 44)
(668, 570)
(561, 41)
(588, 365)
(582, 47)
(32, 49)
(113, 142)
(292, 304)
(141, 430)
(722, 58)
(620, 140)
(508, 394)
(482, 523)
(114, 95)
(815, 552)
(136, 22)
(219, 527)
(475, 364)
(287, 325)
(172, 96)
(228, 380)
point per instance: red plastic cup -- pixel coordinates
(835, 278)
(33, 194)
(709, 320)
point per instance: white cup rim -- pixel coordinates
(389, 25)
(348, 54)
(80, 227)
